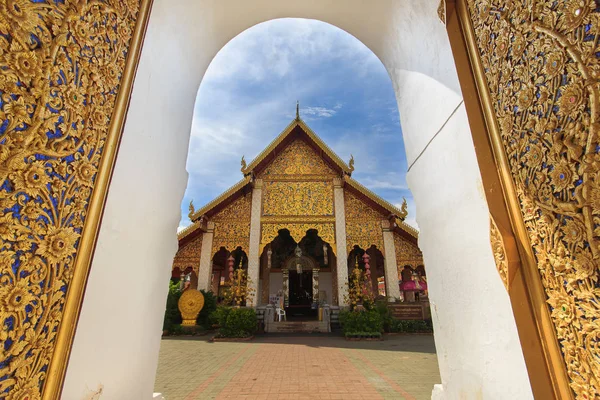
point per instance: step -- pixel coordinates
(298, 327)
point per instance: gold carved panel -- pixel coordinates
(541, 66)
(499, 251)
(232, 225)
(363, 223)
(282, 198)
(189, 255)
(298, 231)
(298, 158)
(61, 65)
(407, 253)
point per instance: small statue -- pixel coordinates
(192, 209)
(243, 163)
(351, 163)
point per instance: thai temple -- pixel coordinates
(298, 223)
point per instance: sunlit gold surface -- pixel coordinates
(407, 253)
(540, 72)
(190, 304)
(363, 223)
(65, 74)
(232, 225)
(499, 252)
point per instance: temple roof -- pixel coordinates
(280, 141)
(295, 129)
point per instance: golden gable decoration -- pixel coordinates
(407, 253)
(541, 69)
(283, 198)
(363, 223)
(61, 65)
(232, 225)
(298, 158)
(189, 255)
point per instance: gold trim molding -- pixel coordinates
(66, 76)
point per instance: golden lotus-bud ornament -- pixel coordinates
(190, 303)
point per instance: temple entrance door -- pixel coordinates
(300, 295)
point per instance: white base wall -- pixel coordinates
(118, 334)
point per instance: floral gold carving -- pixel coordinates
(407, 253)
(298, 158)
(232, 225)
(298, 198)
(189, 255)
(499, 252)
(298, 230)
(60, 70)
(363, 223)
(541, 66)
(190, 304)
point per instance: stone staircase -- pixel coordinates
(298, 327)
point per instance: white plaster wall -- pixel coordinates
(275, 282)
(118, 334)
(326, 285)
(478, 349)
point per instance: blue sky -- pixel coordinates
(248, 96)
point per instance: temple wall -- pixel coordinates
(325, 283)
(118, 335)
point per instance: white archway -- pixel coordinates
(118, 333)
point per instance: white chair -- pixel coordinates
(280, 313)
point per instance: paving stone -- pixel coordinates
(305, 367)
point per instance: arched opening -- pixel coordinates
(424, 79)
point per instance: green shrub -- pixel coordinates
(235, 322)
(366, 335)
(210, 305)
(411, 326)
(361, 321)
(172, 314)
(384, 311)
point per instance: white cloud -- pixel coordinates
(320, 111)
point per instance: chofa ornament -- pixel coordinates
(190, 304)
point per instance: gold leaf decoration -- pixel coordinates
(60, 69)
(189, 255)
(541, 66)
(232, 225)
(363, 223)
(298, 158)
(298, 230)
(282, 198)
(407, 253)
(499, 252)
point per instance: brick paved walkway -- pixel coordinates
(309, 367)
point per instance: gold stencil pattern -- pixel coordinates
(232, 225)
(189, 255)
(298, 231)
(283, 198)
(407, 253)
(541, 66)
(298, 158)
(60, 70)
(363, 223)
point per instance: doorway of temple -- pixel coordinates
(301, 296)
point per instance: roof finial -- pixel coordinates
(243, 164)
(351, 163)
(297, 110)
(192, 209)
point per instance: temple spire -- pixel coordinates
(297, 110)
